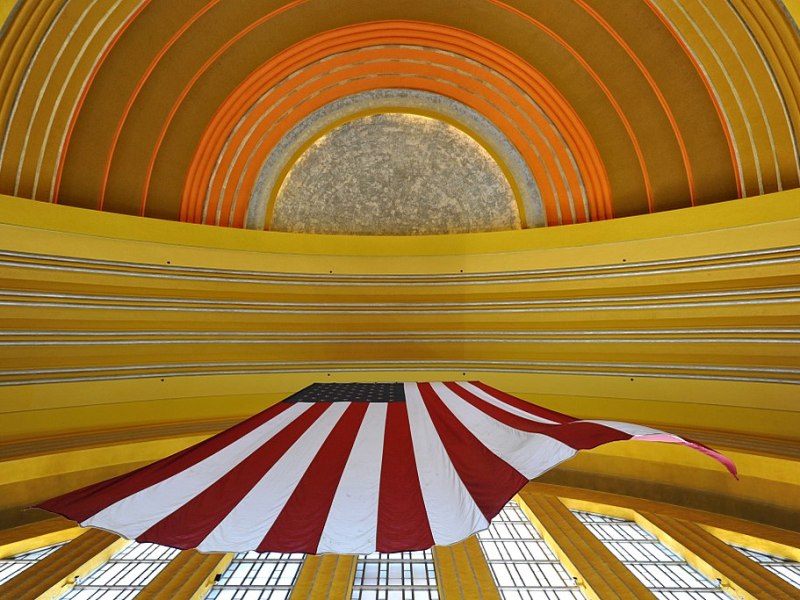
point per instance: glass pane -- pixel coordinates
(124, 575)
(258, 576)
(659, 569)
(522, 564)
(396, 576)
(14, 565)
(784, 568)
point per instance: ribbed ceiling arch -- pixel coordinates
(660, 104)
(124, 339)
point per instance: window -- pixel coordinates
(662, 571)
(783, 568)
(14, 565)
(258, 576)
(395, 576)
(124, 575)
(522, 564)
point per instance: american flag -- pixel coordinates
(349, 468)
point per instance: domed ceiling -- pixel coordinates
(199, 110)
(393, 173)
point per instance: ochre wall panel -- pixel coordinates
(683, 319)
(462, 572)
(325, 576)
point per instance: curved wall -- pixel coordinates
(121, 344)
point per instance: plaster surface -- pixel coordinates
(393, 100)
(395, 174)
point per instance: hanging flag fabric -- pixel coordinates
(350, 469)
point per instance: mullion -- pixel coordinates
(135, 565)
(382, 575)
(245, 586)
(99, 593)
(248, 567)
(550, 594)
(14, 565)
(786, 569)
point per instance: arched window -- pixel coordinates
(785, 569)
(258, 576)
(522, 564)
(662, 571)
(124, 575)
(14, 565)
(395, 576)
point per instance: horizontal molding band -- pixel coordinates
(477, 310)
(724, 373)
(425, 363)
(405, 332)
(238, 303)
(346, 338)
(787, 294)
(754, 258)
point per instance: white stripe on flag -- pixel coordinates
(245, 526)
(529, 453)
(353, 519)
(135, 514)
(500, 404)
(452, 512)
(629, 428)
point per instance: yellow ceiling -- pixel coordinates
(660, 104)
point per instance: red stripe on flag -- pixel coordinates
(578, 435)
(190, 524)
(489, 479)
(533, 409)
(402, 517)
(86, 502)
(584, 436)
(299, 525)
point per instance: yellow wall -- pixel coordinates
(633, 339)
